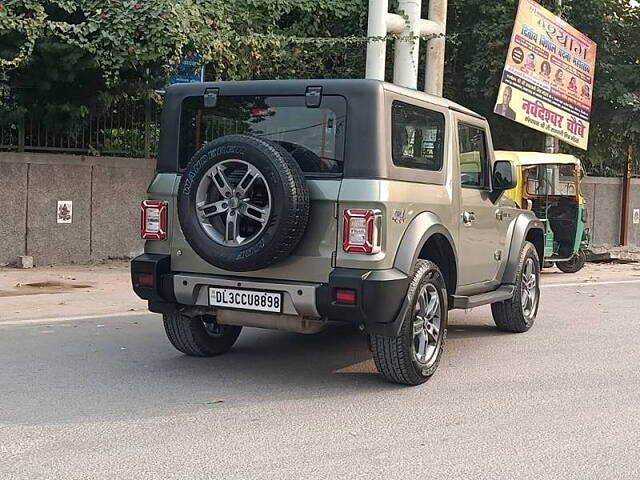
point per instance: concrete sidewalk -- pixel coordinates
(81, 291)
(607, 253)
(67, 291)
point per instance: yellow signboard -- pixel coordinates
(547, 83)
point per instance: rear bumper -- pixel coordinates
(379, 294)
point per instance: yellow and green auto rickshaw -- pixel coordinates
(549, 184)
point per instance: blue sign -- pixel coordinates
(188, 71)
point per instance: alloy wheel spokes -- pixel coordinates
(247, 181)
(221, 182)
(423, 345)
(426, 323)
(259, 214)
(433, 331)
(529, 290)
(231, 230)
(233, 202)
(432, 306)
(214, 208)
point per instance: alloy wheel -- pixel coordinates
(427, 324)
(529, 290)
(233, 203)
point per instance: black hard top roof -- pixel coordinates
(298, 87)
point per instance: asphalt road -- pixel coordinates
(110, 399)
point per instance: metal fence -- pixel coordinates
(127, 130)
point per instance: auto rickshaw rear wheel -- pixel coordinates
(574, 264)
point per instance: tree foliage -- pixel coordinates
(62, 58)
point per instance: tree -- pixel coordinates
(478, 36)
(62, 58)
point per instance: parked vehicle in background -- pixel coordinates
(288, 204)
(549, 185)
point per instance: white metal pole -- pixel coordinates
(434, 67)
(406, 57)
(376, 46)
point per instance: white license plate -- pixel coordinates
(245, 299)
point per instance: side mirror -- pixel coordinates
(504, 178)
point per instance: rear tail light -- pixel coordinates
(153, 220)
(346, 296)
(145, 280)
(361, 231)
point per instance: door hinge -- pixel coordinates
(211, 97)
(313, 97)
(333, 259)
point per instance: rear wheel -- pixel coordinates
(575, 264)
(199, 336)
(413, 356)
(519, 313)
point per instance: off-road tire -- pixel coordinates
(190, 336)
(508, 315)
(394, 356)
(289, 210)
(574, 265)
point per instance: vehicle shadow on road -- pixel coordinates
(335, 361)
(129, 368)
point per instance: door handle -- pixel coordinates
(468, 218)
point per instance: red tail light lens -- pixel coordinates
(361, 231)
(153, 220)
(145, 280)
(346, 296)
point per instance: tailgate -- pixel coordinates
(310, 262)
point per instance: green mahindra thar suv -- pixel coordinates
(290, 204)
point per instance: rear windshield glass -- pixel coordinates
(313, 136)
(556, 180)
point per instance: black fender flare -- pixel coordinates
(523, 225)
(421, 228)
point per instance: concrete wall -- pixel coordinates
(604, 197)
(106, 194)
(13, 213)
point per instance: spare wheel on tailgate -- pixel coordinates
(242, 203)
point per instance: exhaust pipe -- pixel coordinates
(287, 323)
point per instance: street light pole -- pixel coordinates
(406, 48)
(410, 28)
(434, 67)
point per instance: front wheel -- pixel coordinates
(519, 313)
(573, 265)
(199, 336)
(412, 357)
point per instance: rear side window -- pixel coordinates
(313, 136)
(417, 137)
(474, 163)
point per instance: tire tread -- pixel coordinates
(393, 355)
(508, 315)
(188, 335)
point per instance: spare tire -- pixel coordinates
(242, 203)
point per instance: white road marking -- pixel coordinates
(589, 284)
(73, 319)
